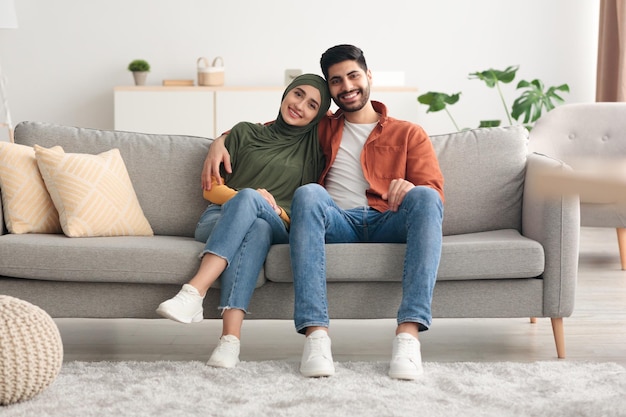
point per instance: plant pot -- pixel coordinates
(140, 77)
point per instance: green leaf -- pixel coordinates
(489, 123)
(491, 76)
(534, 100)
(437, 101)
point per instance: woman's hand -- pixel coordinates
(217, 155)
(270, 199)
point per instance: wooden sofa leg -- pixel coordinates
(533, 320)
(621, 244)
(559, 336)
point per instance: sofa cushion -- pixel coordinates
(125, 259)
(26, 203)
(164, 169)
(92, 193)
(496, 254)
(484, 172)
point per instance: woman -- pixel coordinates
(268, 163)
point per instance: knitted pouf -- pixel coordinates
(31, 351)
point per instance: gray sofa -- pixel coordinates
(507, 251)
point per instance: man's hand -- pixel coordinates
(217, 154)
(397, 190)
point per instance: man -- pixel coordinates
(382, 183)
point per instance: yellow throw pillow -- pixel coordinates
(92, 193)
(26, 203)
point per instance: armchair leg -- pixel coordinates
(559, 336)
(533, 320)
(621, 243)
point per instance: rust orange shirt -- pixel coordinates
(394, 149)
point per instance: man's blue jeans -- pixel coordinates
(241, 231)
(316, 220)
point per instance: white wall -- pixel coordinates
(67, 55)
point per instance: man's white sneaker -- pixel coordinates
(185, 307)
(406, 358)
(226, 353)
(317, 359)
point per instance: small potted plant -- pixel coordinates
(140, 69)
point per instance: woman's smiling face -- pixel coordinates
(300, 105)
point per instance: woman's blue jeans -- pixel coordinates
(316, 220)
(241, 231)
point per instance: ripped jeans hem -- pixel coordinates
(222, 309)
(213, 253)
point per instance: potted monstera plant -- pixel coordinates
(140, 69)
(526, 109)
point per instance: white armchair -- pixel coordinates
(591, 138)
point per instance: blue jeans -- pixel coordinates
(316, 220)
(241, 231)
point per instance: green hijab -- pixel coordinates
(278, 157)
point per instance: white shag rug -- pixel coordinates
(275, 388)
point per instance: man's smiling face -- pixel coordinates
(349, 85)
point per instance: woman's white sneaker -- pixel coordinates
(184, 307)
(226, 354)
(406, 358)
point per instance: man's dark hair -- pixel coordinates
(341, 53)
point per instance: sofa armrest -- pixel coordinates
(553, 221)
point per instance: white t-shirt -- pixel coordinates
(345, 181)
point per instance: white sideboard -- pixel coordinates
(209, 111)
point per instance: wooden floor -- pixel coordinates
(595, 332)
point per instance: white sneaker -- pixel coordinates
(185, 307)
(406, 358)
(317, 359)
(226, 353)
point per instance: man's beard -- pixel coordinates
(354, 107)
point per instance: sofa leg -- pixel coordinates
(559, 336)
(533, 320)
(621, 244)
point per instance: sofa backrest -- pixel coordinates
(164, 169)
(484, 172)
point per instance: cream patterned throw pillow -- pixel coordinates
(92, 193)
(26, 204)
